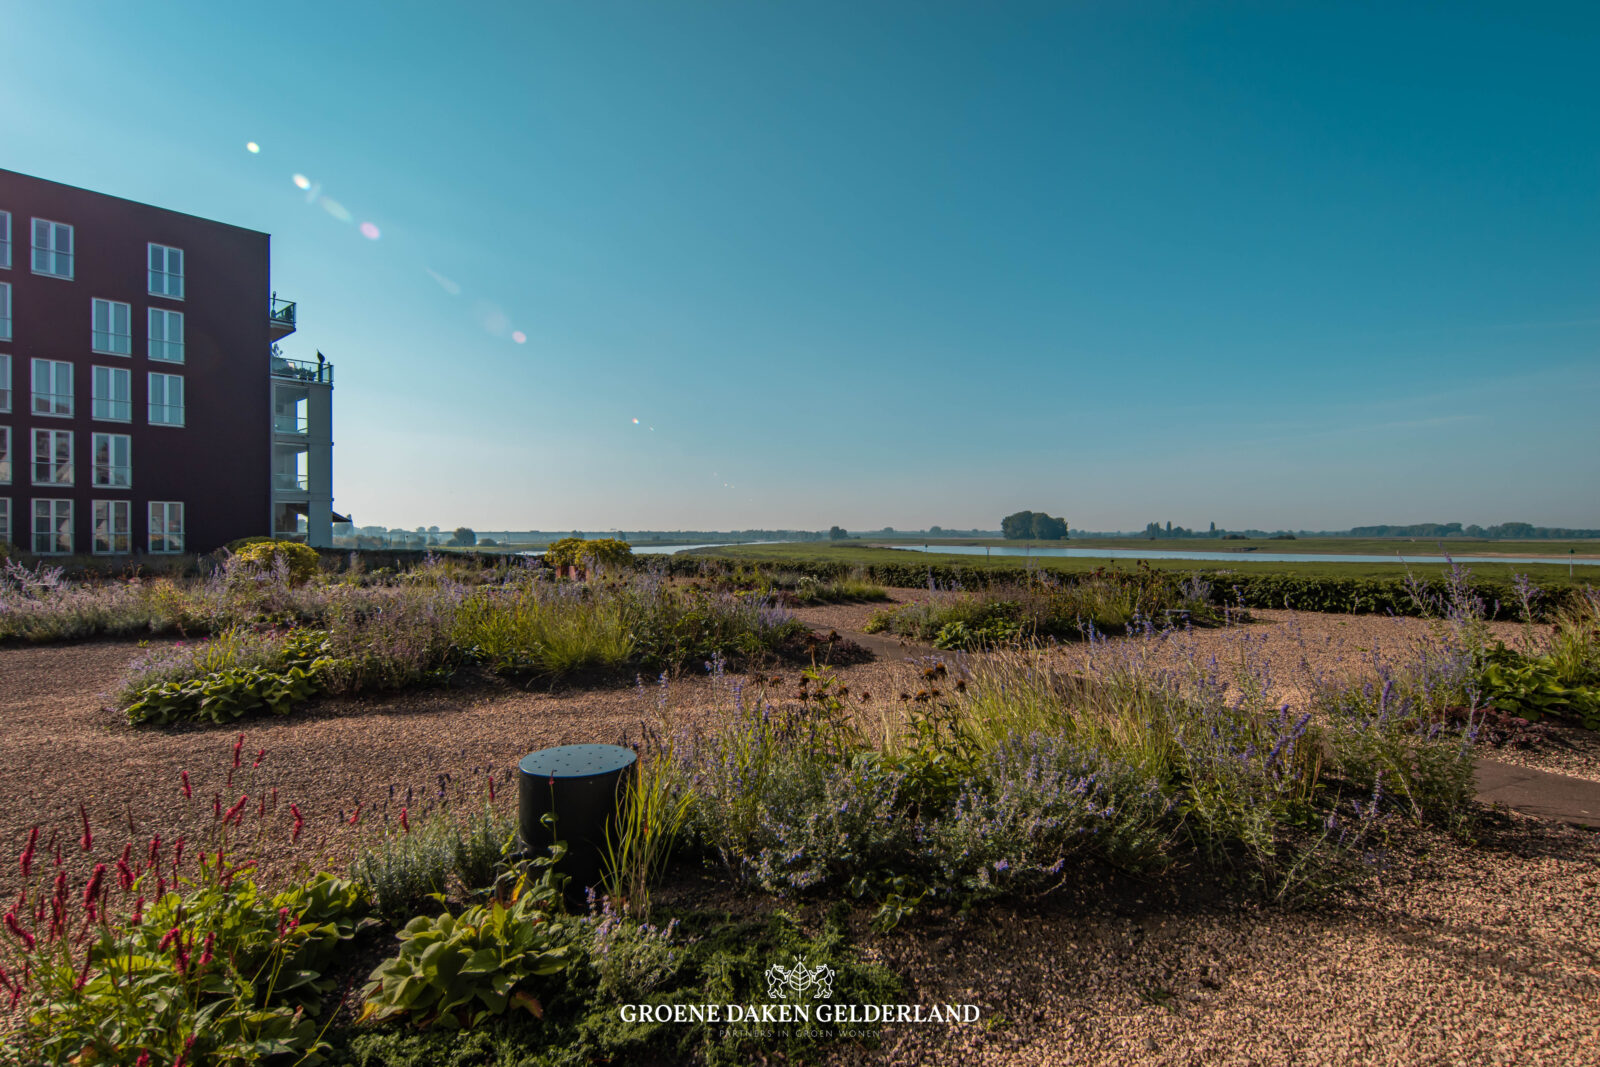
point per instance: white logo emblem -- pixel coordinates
(800, 982)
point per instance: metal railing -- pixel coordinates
(302, 371)
(291, 424)
(281, 313)
(291, 482)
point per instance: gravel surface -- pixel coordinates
(1486, 954)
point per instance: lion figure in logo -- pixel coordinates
(799, 982)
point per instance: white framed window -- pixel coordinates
(166, 527)
(113, 389)
(52, 387)
(52, 527)
(113, 527)
(52, 248)
(5, 382)
(113, 461)
(112, 328)
(166, 400)
(5, 455)
(5, 311)
(52, 457)
(166, 335)
(5, 239)
(166, 271)
(5, 519)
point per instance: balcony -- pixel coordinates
(298, 424)
(280, 318)
(300, 370)
(291, 483)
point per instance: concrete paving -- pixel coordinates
(1542, 793)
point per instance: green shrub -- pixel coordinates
(301, 561)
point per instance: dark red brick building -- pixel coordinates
(142, 407)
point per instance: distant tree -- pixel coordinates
(488, 541)
(1037, 525)
(463, 537)
(837, 533)
(433, 529)
(934, 531)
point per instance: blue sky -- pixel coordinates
(1259, 264)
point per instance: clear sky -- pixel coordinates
(1254, 263)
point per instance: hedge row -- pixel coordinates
(1354, 596)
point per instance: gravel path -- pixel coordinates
(1486, 954)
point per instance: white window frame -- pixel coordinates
(170, 281)
(106, 340)
(5, 519)
(5, 383)
(5, 311)
(105, 405)
(56, 509)
(5, 240)
(5, 455)
(115, 475)
(52, 250)
(160, 326)
(49, 457)
(109, 540)
(56, 404)
(166, 536)
(165, 407)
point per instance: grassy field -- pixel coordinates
(1555, 572)
(1354, 546)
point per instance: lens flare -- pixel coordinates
(336, 209)
(370, 231)
(252, 147)
(522, 339)
(636, 422)
(301, 181)
(444, 283)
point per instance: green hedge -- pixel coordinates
(1356, 596)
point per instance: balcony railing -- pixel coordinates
(291, 424)
(301, 371)
(291, 482)
(281, 317)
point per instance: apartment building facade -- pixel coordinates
(145, 406)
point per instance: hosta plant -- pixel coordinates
(457, 971)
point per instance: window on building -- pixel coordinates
(5, 382)
(166, 400)
(52, 457)
(113, 463)
(5, 311)
(52, 527)
(5, 520)
(52, 248)
(5, 455)
(113, 527)
(113, 400)
(5, 238)
(166, 271)
(52, 387)
(113, 328)
(166, 335)
(166, 526)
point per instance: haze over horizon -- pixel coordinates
(729, 266)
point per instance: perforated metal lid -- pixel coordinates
(576, 761)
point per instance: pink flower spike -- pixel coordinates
(238, 747)
(87, 841)
(18, 932)
(26, 859)
(260, 755)
(405, 823)
(187, 792)
(355, 816)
